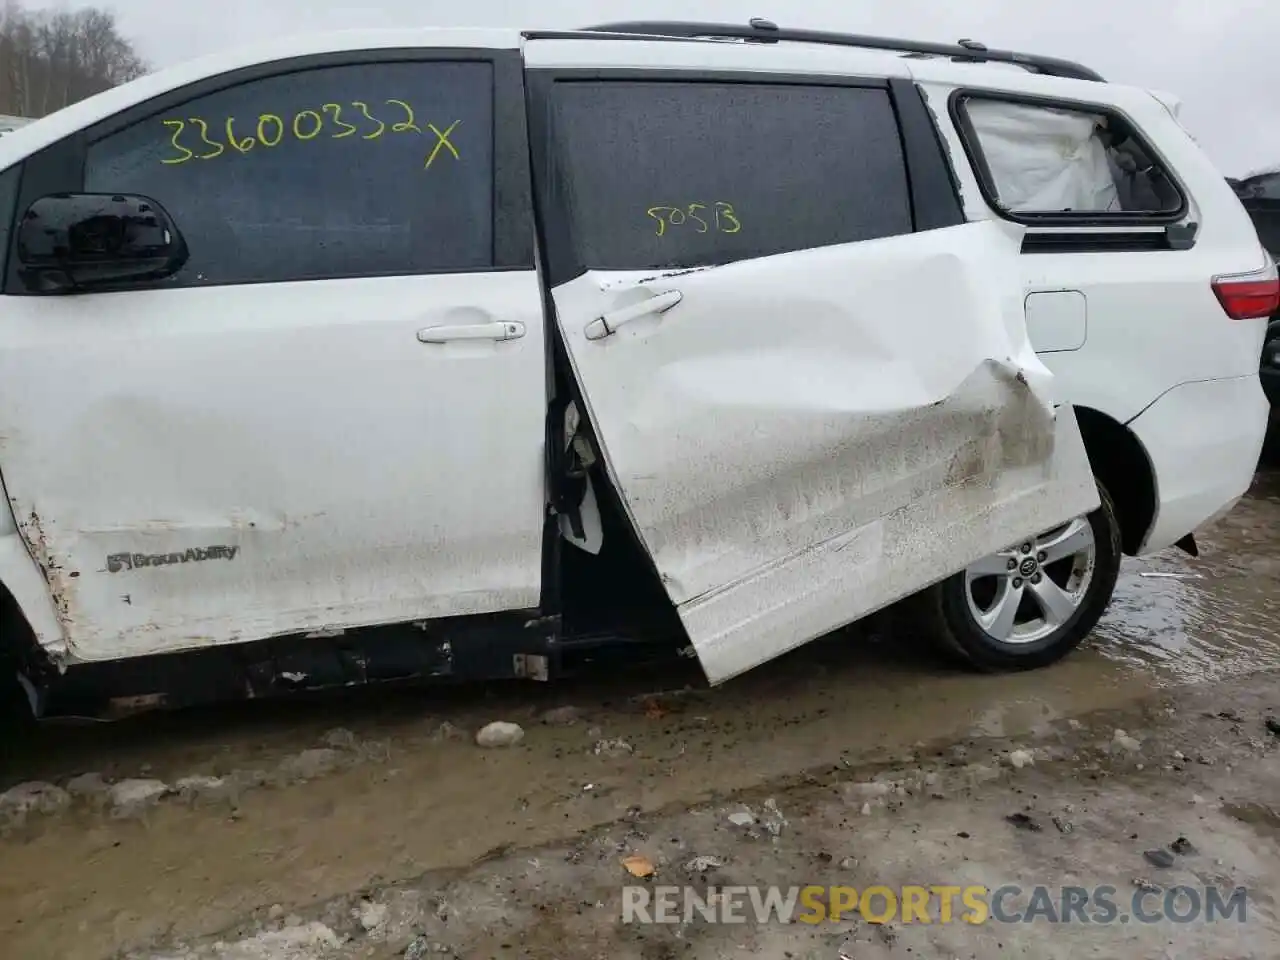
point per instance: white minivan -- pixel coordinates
(419, 353)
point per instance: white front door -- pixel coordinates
(810, 409)
(333, 415)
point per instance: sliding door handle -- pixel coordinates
(603, 326)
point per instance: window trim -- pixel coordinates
(931, 179)
(60, 167)
(977, 160)
(10, 186)
(559, 254)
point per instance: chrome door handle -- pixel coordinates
(608, 324)
(498, 330)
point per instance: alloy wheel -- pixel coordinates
(1025, 593)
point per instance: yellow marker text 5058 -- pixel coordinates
(697, 217)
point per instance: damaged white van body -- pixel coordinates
(816, 465)
(596, 337)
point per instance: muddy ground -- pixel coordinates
(372, 825)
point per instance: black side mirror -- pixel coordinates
(72, 242)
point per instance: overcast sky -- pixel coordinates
(1222, 57)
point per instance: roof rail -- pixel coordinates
(765, 31)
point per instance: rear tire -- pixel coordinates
(1029, 606)
(16, 720)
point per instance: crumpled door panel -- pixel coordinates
(802, 439)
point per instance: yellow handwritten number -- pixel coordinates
(406, 124)
(348, 130)
(726, 217)
(442, 142)
(674, 217)
(245, 145)
(364, 108)
(204, 135)
(315, 130)
(186, 154)
(263, 121)
(662, 222)
(308, 124)
(726, 211)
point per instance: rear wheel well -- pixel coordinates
(1119, 461)
(20, 653)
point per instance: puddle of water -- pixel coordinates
(1016, 716)
(1206, 618)
(1255, 814)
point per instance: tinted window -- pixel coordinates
(8, 197)
(1057, 160)
(1266, 219)
(671, 174)
(335, 172)
(1265, 187)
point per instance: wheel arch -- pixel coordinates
(1120, 462)
(30, 632)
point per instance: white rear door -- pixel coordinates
(332, 416)
(811, 407)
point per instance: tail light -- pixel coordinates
(1249, 296)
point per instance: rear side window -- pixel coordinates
(684, 174)
(361, 170)
(1056, 160)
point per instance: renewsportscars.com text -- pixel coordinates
(939, 903)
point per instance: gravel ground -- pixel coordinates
(373, 824)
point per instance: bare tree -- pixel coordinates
(52, 58)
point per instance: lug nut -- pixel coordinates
(1042, 556)
(1013, 564)
(1026, 548)
(1017, 582)
(1036, 579)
